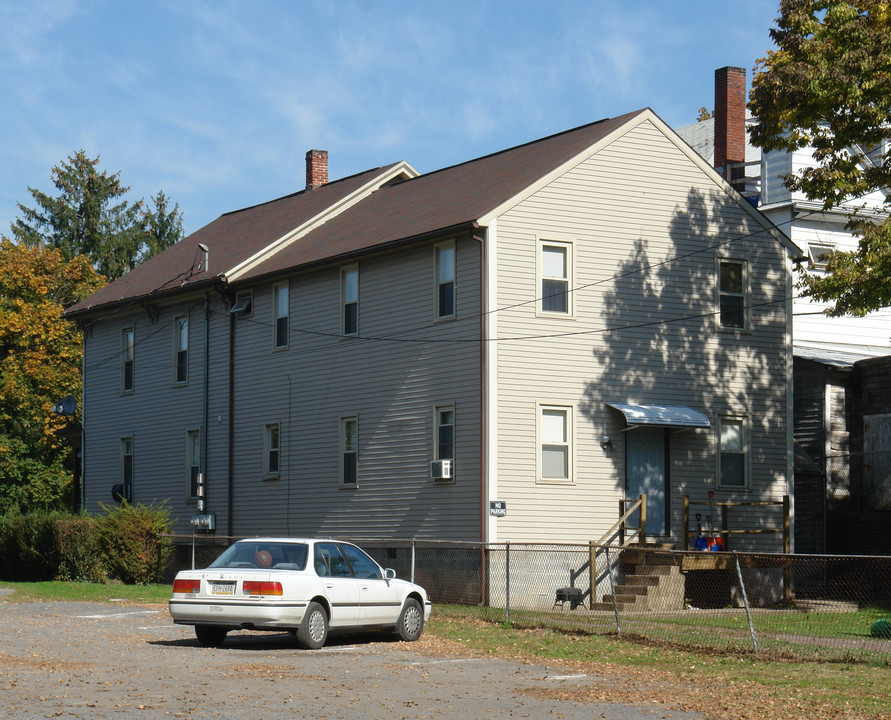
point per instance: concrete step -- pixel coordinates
(642, 580)
(653, 570)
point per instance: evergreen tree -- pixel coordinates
(89, 216)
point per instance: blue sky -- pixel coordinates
(217, 103)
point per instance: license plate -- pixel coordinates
(222, 588)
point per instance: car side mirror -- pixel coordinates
(389, 574)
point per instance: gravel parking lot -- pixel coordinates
(86, 660)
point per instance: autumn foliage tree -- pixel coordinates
(40, 359)
(827, 87)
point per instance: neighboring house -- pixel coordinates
(554, 327)
(826, 349)
(722, 140)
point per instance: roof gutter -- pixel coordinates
(121, 303)
(466, 226)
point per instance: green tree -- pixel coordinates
(40, 358)
(89, 216)
(827, 86)
(161, 226)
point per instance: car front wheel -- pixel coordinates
(209, 635)
(411, 621)
(314, 629)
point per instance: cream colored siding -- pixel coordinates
(643, 331)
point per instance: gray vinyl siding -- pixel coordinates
(637, 203)
(157, 414)
(389, 378)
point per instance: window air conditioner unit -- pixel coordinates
(441, 470)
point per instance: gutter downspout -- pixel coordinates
(790, 402)
(83, 418)
(230, 462)
(481, 239)
(489, 356)
(203, 500)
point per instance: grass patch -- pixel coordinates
(773, 688)
(51, 591)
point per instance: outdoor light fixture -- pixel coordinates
(606, 442)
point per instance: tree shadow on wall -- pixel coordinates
(663, 345)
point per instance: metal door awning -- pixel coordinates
(672, 416)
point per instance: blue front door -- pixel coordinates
(645, 474)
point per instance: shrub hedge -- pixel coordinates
(127, 542)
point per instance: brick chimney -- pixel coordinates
(730, 117)
(316, 168)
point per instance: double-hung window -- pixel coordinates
(732, 292)
(349, 296)
(733, 462)
(181, 348)
(445, 280)
(555, 278)
(127, 468)
(349, 451)
(193, 460)
(280, 308)
(128, 355)
(555, 443)
(272, 450)
(445, 433)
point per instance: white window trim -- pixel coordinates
(746, 451)
(817, 251)
(344, 270)
(570, 442)
(437, 253)
(267, 448)
(276, 317)
(177, 348)
(124, 389)
(568, 246)
(189, 435)
(437, 409)
(123, 465)
(246, 298)
(746, 295)
(341, 450)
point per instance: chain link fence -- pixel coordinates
(804, 607)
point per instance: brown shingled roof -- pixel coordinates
(448, 198)
(231, 238)
(438, 201)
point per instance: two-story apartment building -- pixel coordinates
(586, 317)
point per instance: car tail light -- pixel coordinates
(186, 586)
(257, 587)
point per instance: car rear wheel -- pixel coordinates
(314, 629)
(209, 635)
(411, 621)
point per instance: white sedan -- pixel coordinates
(305, 586)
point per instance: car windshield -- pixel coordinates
(263, 555)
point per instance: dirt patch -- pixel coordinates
(80, 660)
